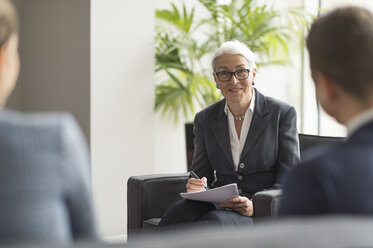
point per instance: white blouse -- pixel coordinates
(237, 144)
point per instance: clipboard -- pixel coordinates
(216, 195)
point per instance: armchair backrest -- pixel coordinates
(307, 141)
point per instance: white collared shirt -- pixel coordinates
(237, 144)
(359, 120)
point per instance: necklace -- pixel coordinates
(239, 118)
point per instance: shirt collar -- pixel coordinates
(251, 106)
(359, 120)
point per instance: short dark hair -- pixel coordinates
(340, 44)
(8, 21)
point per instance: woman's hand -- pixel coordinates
(196, 185)
(241, 205)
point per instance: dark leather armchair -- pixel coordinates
(149, 196)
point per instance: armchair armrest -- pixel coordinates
(266, 203)
(149, 196)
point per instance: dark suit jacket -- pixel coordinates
(337, 179)
(271, 147)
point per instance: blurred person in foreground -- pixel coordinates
(339, 179)
(246, 138)
(45, 192)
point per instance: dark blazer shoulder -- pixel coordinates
(214, 111)
(321, 159)
(268, 105)
(275, 104)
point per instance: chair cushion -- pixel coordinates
(150, 223)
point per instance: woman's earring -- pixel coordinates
(217, 86)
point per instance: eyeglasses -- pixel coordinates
(225, 76)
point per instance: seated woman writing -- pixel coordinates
(246, 138)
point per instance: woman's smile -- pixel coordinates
(235, 90)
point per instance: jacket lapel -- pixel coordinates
(259, 123)
(220, 129)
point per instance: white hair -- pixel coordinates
(234, 47)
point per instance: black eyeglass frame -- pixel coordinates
(232, 73)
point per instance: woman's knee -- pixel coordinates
(225, 217)
(217, 215)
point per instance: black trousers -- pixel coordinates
(187, 211)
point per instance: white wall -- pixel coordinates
(122, 95)
(169, 146)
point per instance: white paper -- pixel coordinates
(216, 195)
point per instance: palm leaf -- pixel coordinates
(182, 21)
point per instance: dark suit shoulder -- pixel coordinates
(265, 105)
(312, 171)
(324, 158)
(213, 111)
(274, 103)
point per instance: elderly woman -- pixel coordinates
(246, 138)
(45, 192)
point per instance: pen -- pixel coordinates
(194, 175)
